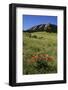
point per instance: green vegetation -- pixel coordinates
(40, 53)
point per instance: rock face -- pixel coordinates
(43, 27)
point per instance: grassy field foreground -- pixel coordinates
(40, 53)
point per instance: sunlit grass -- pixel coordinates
(39, 43)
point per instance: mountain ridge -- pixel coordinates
(43, 27)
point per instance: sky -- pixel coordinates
(32, 20)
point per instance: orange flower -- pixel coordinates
(34, 57)
(50, 58)
(44, 58)
(32, 61)
(45, 55)
(38, 57)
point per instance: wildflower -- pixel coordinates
(50, 58)
(44, 58)
(32, 61)
(45, 55)
(33, 57)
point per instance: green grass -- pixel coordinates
(39, 43)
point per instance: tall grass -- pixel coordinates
(39, 43)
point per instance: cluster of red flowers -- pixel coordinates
(35, 58)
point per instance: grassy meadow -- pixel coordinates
(39, 53)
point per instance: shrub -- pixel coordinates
(34, 36)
